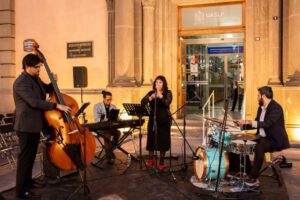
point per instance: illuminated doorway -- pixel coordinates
(211, 55)
(213, 63)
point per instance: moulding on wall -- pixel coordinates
(294, 80)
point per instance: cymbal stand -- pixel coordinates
(243, 172)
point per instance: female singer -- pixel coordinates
(158, 138)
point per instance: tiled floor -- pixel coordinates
(291, 176)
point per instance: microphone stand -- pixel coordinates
(183, 133)
(86, 189)
(139, 113)
(184, 139)
(156, 134)
(154, 129)
(84, 184)
(221, 138)
(215, 194)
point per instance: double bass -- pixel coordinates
(67, 150)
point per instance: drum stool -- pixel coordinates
(273, 164)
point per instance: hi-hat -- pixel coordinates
(245, 136)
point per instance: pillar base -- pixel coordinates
(294, 80)
(124, 81)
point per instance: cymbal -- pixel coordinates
(219, 121)
(214, 120)
(245, 136)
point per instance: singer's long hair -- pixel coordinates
(163, 79)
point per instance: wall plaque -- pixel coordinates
(27, 45)
(79, 49)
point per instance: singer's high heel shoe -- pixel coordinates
(150, 163)
(161, 167)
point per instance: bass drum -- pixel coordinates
(206, 166)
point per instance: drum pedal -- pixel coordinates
(281, 160)
(286, 165)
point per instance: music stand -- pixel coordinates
(81, 112)
(139, 111)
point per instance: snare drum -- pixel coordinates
(206, 167)
(239, 147)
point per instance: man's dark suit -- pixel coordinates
(276, 137)
(29, 97)
(273, 125)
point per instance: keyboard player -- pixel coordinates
(101, 113)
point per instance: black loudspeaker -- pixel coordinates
(80, 77)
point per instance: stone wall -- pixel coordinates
(291, 42)
(151, 49)
(263, 58)
(53, 24)
(7, 54)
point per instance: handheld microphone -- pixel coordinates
(155, 92)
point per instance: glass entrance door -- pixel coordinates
(212, 63)
(195, 77)
(217, 76)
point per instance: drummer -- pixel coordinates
(269, 123)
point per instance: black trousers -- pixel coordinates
(263, 146)
(235, 98)
(28, 148)
(234, 163)
(107, 142)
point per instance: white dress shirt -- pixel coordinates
(261, 119)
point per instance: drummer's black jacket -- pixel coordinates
(273, 125)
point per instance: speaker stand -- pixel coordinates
(83, 114)
(81, 95)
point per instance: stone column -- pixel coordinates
(275, 42)
(148, 41)
(291, 71)
(138, 61)
(7, 54)
(124, 43)
(111, 39)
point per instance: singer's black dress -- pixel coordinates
(163, 119)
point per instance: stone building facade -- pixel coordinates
(136, 40)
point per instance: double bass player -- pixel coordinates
(29, 93)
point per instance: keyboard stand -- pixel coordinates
(115, 146)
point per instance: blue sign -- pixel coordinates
(225, 50)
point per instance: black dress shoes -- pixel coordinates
(113, 156)
(110, 161)
(28, 195)
(35, 184)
